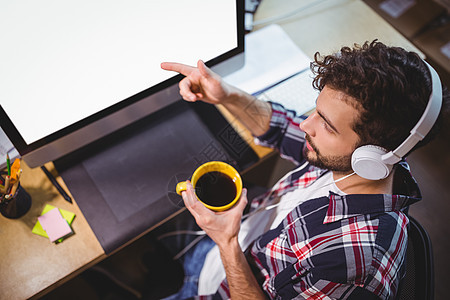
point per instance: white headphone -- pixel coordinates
(375, 163)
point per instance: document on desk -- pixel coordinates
(270, 57)
(6, 147)
(276, 70)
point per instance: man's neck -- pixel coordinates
(358, 185)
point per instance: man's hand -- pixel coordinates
(200, 83)
(203, 84)
(222, 227)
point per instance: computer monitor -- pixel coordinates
(73, 72)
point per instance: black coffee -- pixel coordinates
(215, 189)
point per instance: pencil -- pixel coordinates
(14, 189)
(16, 184)
(2, 185)
(7, 180)
(8, 164)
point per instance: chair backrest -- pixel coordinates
(418, 282)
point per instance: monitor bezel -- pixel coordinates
(217, 64)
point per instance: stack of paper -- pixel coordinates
(6, 147)
(54, 223)
(270, 57)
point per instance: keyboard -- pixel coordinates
(295, 92)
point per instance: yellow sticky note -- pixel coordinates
(67, 215)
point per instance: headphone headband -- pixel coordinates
(424, 124)
(372, 162)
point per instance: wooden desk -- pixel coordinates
(31, 265)
(332, 24)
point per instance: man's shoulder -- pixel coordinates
(373, 235)
(392, 232)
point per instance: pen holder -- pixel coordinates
(17, 205)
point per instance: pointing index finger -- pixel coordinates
(177, 67)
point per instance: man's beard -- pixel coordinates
(341, 164)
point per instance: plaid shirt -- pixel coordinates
(335, 247)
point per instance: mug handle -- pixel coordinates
(181, 187)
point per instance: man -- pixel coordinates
(333, 233)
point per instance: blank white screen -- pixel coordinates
(62, 61)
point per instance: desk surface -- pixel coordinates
(31, 266)
(30, 263)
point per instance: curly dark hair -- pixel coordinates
(389, 86)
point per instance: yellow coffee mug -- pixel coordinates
(215, 166)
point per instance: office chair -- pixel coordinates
(418, 282)
(142, 270)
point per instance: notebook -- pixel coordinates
(276, 69)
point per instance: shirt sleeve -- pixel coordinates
(284, 133)
(223, 293)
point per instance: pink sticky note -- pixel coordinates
(54, 224)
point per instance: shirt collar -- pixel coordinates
(346, 206)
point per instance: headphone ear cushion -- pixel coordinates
(367, 162)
